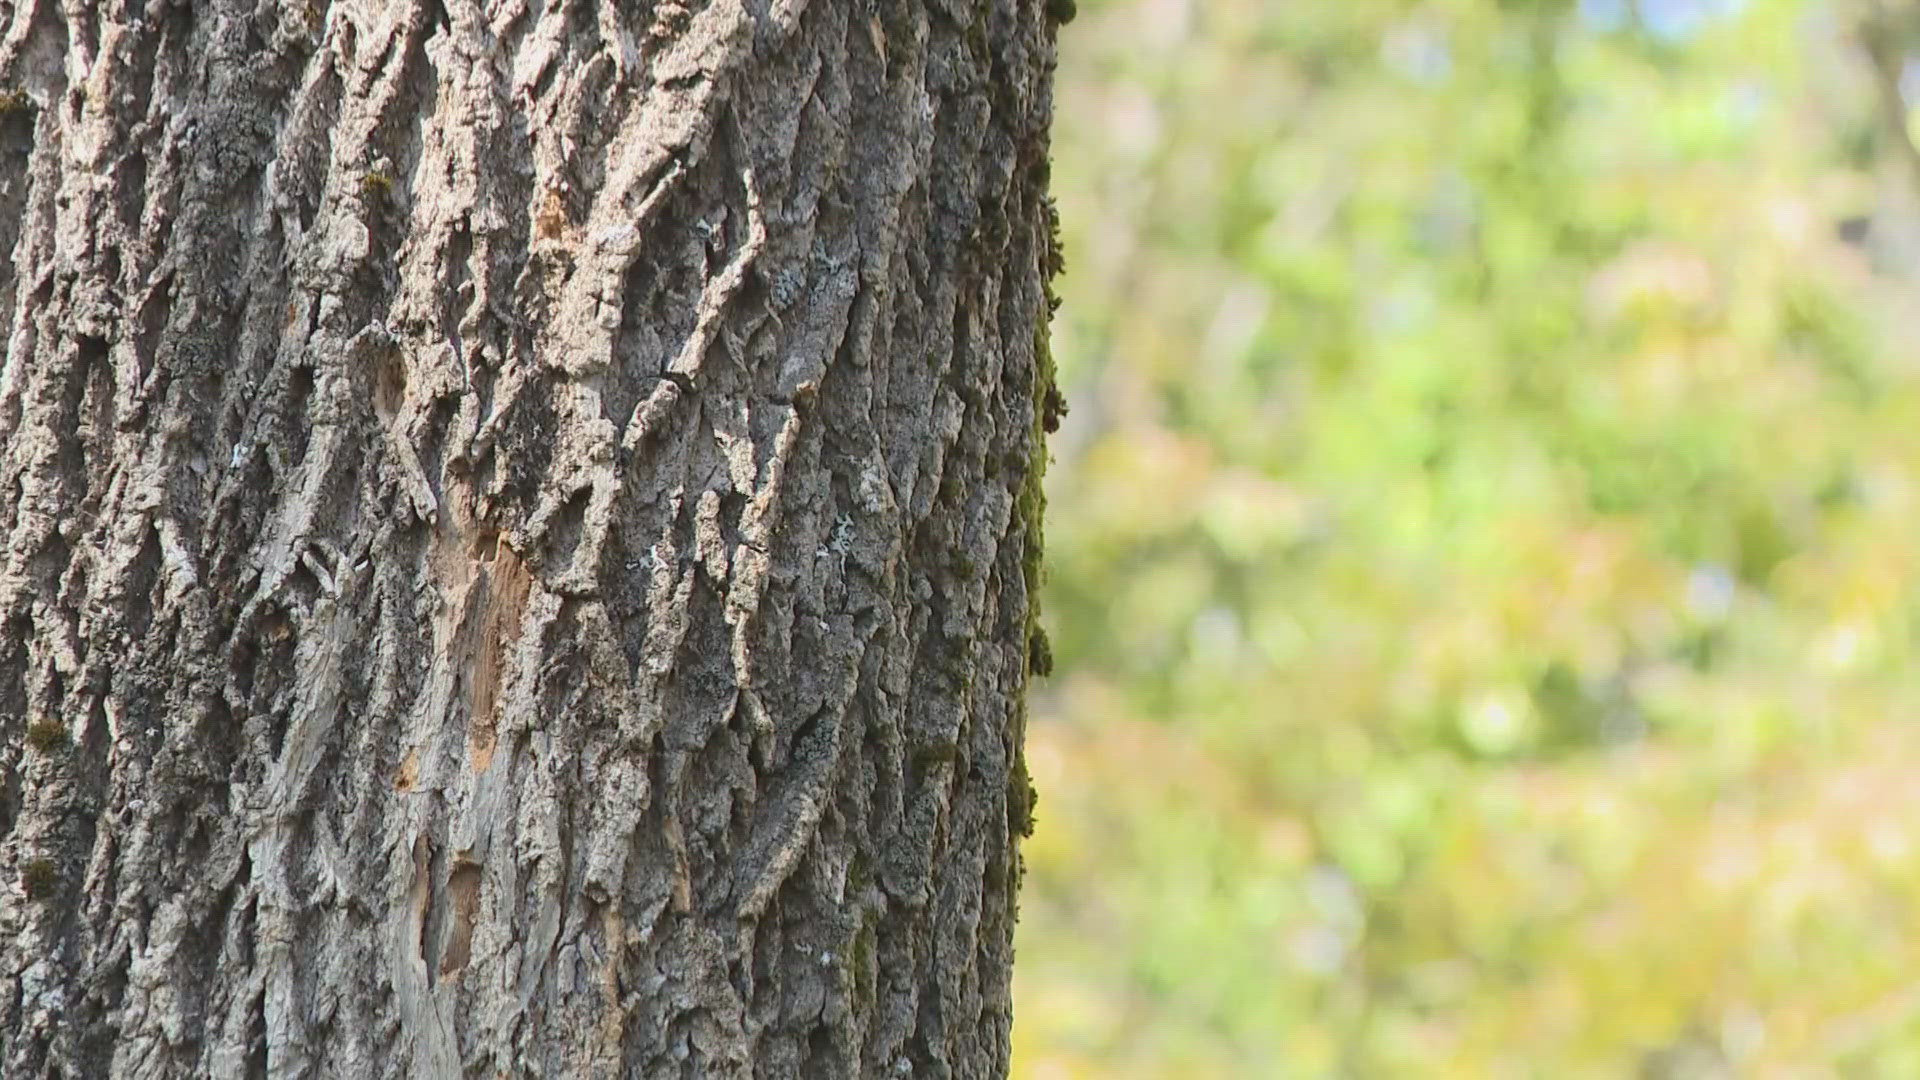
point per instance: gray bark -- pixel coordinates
(518, 530)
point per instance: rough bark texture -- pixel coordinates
(517, 534)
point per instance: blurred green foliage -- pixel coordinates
(1485, 544)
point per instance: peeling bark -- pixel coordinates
(518, 530)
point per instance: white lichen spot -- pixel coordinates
(875, 494)
(354, 241)
(619, 237)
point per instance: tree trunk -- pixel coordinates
(518, 531)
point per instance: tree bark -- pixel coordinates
(518, 534)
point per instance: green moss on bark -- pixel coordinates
(39, 878)
(47, 735)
